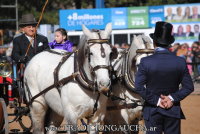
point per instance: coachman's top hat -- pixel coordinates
(27, 19)
(163, 33)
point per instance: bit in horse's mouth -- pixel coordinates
(104, 89)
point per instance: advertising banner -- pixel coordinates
(184, 17)
(186, 32)
(92, 18)
(182, 13)
(138, 17)
(119, 18)
(186, 21)
(156, 13)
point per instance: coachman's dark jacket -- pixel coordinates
(163, 73)
(20, 46)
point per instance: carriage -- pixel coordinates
(82, 91)
(11, 97)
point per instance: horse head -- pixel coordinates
(141, 47)
(127, 61)
(94, 56)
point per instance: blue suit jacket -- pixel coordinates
(162, 73)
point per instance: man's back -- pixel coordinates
(164, 70)
(162, 73)
(157, 81)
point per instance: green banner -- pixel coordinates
(138, 17)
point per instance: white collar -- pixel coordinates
(29, 38)
(160, 49)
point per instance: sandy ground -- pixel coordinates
(190, 106)
(191, 109)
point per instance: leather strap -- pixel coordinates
(60, 82)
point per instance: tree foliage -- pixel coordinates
(51, 14)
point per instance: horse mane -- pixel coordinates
(132, 52)
(137, 44)
(82, 50)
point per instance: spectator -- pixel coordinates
(61, 41)
(117, 45)
(188, 31)
(175, 48)
(178, 16)
(170, 15)
(125, 46)
(187, 14)
(2, 51)
(180, 32)
(195, 58)
(74, 47)
(189, 60)
(28, 44)
(195, 14)
(183, 50)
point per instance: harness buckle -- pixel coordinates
(60, 84)
(74, 75)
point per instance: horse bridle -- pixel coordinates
(146, 50)
(100, 41)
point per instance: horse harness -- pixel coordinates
(127, 80)
(79, 74)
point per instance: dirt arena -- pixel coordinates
(191, 109)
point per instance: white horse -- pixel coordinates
(70, 100)
(125, 106)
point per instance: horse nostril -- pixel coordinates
(105, 84)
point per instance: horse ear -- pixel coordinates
(148, 41)
(135, 41)
(86, 31)
(108, 30)
(138, 41)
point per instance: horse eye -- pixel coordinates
(90, 53)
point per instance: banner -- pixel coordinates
(182, 13)
(186, 21)
(92, 18)
(138, 17)
(119, 18)
(156, 13)
(186, 32)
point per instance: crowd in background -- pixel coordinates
(190, 54)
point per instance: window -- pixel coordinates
(120, 38)
(74, 39)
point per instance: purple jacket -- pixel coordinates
(65, 46)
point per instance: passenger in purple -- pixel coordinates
(61, 41)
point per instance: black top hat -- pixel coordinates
(27, 19)
(163, 33)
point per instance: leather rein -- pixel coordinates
(79, 74)
(128, 81)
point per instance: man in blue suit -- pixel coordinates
(157, 81)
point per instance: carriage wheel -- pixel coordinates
(24, 120)
(3, 117)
